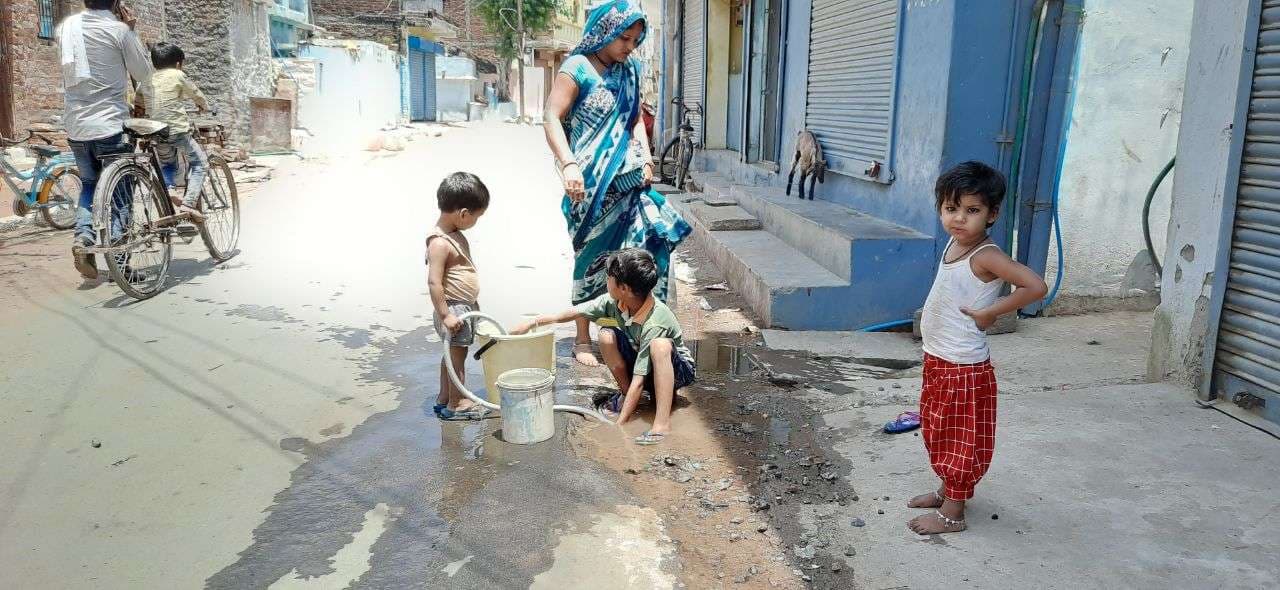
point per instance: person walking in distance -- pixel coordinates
(99, 53)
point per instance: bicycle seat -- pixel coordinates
(44, 151)
(146, 128)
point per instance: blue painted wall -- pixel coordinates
(953, 86)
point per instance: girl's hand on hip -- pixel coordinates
(981, 317)
(574, 186)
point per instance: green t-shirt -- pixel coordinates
(661, 323)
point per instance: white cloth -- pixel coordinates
(75, 60)
(948, 333)
(97, 105)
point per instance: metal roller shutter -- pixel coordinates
(1248, 351)
(853, 53)
(417, 85)
(429, 94)
(694, 60)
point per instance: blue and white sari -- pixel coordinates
(619, 210)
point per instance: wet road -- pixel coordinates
(266, 423)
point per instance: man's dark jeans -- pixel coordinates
(88, 159)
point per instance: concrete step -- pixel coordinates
(777, 282)
(724, 218)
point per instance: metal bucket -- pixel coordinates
(528, 399)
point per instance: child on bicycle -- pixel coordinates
(163, 98)
(454, 284)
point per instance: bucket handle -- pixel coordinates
(484, 349)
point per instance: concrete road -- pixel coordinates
(266, 423)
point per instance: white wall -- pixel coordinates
(1129, 76)
(453, 98)
(356, 92)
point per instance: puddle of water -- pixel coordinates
(713, 356)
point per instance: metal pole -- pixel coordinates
(520, 31)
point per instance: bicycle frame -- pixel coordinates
(44, 169)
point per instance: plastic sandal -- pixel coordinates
(905, 422)
(650, 438)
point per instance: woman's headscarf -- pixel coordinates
(607, 21)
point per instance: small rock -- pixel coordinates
(735, 537)
(720, 576)
(684, 477)
(735, 520)
(854, 498)
(670, 461)
(850, 551)
(829, 476)
(762, 528)
(995, 517)
(1093, 343)
(804, 480)
(886, 498)
(95, 444)
(742, 579)
(806, 578)
(858, 522)
(753, 570)
(633, 471)
(880, 512)
(806, 552)
(835, 566)
(760, 505)
(704, 304)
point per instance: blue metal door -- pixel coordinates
(429, 88)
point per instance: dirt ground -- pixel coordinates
(743, 456)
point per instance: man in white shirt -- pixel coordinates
(99, 52)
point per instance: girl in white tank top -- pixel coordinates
(949, 333)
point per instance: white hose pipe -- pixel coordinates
(457, 382)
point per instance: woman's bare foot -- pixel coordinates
(949, 518)
(929, 500)
(583, 354)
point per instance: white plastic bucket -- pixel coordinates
(528, 400)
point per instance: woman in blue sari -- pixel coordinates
(604, 159)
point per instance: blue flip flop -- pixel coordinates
(436, 408)
(905, 422)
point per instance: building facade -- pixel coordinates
(229, 55)
(31, 93)
(1075, 101)
(1218, 325)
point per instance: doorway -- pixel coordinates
(763, 99)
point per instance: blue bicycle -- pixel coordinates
(54, 182)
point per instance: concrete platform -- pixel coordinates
(875, 348)
(871, 257)
(1098, 481)
(1128, 486)
(724, 218)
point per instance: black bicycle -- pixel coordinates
(135, 216)
(677, 155)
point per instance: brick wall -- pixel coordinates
(473, 35)
(37, 75)
(370, 20)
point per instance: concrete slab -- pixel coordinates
(1160, 493)
(733, 218)
(867, 347)
(1073, 352)
(666, 189)
(719, 201)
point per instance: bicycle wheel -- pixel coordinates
(62, 198)
(682, 169)
(220, 203)
(669, 161)
(129, 201)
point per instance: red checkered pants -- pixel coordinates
(958, 419)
